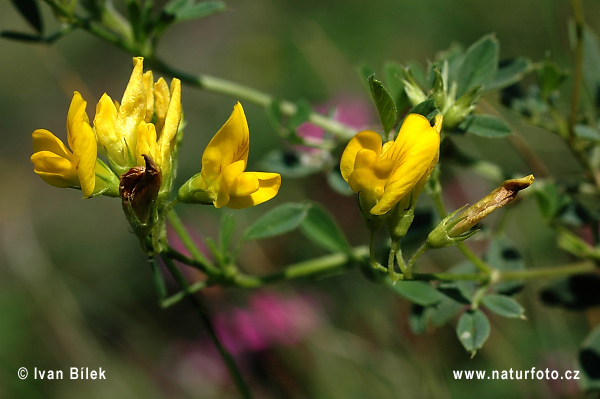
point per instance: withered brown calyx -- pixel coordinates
(139, 188)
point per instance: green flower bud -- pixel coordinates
(462, 108)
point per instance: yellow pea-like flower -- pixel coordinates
(127, 131)
(61, 167)
(385, 174)
(223, 180)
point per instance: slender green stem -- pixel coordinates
(549, 272)
(159, 282)
(376, 265)
(474, 259)
(203, 315)
(189, 244)
(257, 97)
(411, 263)
(175, 298)
(391, 259)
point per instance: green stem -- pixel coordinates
(549, 272)
(203, 315)
(189, 244)
(257, 97)
(376, 265)
(391, 258)
(474, 259)
(416, 256)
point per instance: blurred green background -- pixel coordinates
(76, 291)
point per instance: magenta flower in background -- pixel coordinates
(269, 320)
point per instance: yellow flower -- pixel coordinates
(385, 174)
(56, 164)
(127, 131)
(223, 180)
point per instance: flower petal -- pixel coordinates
(363, 140)
(416, 147)
(167, 139)
(225, 184)
(76, 103)
(162, 97)
(146, 144)
(148, 82)
(85, 150)
(54, 169)
(133, 107)
(105, 125)
(229, 145)
(43, 140)
(268, 187)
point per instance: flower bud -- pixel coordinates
(461, 108)
(453, 230)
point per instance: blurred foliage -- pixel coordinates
(76, 292)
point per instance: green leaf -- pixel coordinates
(591, 61)
(427, 108)
(551, 201)
(550, 78)
(480, 65)
(587, 133)
(280, 220)
(417, 319)
(510, 73)
(392, 75)
(337, 183)
(386, 108)
(473, 329)
(320, 228)
(30, 11)
(503, 305)
(303, 110)
(227, 227)
(589, 356)
(419, 292)
(182, 10)
(485, 126)
(443, 311)
(364, 71)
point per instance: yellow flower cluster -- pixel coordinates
(138, 137)
(145, 122)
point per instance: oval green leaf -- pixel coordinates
(503, 306)
(386, 108)
(280, 220)
(473, 329)
(418, 292)
(485, 126)
(320, 228)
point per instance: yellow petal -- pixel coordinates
(146, 143)
(363, 140)
(77, 102)
(105, 124)
(43, 140)
(417, 147)
(133, 107)
(85, 150)
(223, 186)
(162, 98)
(229, 145)
(268, 187)
(168, 134)
(148, 82)
(245, 184)
(54, 169)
